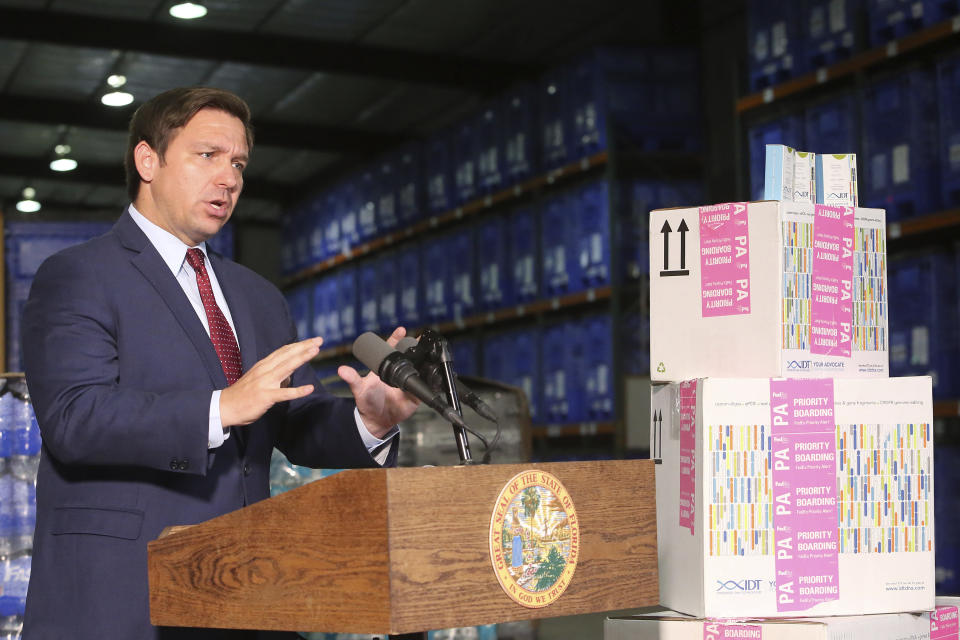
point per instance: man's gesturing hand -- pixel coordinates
(263, 385)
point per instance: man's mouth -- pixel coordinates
(219, 205)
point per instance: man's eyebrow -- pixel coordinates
(210, 146)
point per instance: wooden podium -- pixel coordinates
(399, 551)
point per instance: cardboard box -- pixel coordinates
(794, 497)
(779, 172)
(836, 179)
(667, 626)
(738, 290)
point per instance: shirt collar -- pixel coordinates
(171, 248)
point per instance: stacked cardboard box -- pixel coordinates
(795, 478)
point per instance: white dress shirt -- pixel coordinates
(173, 251)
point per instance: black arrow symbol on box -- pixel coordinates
(665, 230)
(683, 228)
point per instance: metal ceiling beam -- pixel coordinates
(111, 175)
(440, 69)
(95, 116)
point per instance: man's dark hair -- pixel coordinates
(156, 122)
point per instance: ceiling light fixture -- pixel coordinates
(117, 81)
(188, 10)
(62, 162)
(117, 99)
(28, 204)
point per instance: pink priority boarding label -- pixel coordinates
(688, 452)
(831, 281)
(943, 624)
(724, 260)
(804, 476)
(721, 630)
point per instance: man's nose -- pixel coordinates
(229, 177)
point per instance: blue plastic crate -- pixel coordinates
(315, 215)
(389, 278)
(437, 296)
(466, 358)
(347, 304)
(831, 31)
(524, 255)
(411, 299)
(787, 130)
(491, 163)
(557, 140)
(560, 268)
(562, 356)
(923, 319)
(635, 342)
(462, 269)
(439, 166)
(774, 36)
(28, 244)
(326, 316)
(592, 211)
(332, 245)
(900, 172)
(493, 263)
(520, 134)
(388, 213)
(466, 152)
(348, 212)
(832, 126)
(598, 376)
(892, 19)
(493, 354)
(223, 241)
(948, 82)
(367, 196)
(367, 298)
(522, 365)
(409, 184)
(299, 302)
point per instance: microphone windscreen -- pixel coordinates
(406, 343)
(371, 349)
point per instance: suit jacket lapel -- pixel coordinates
(148, 261)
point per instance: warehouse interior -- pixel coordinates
(486, 169)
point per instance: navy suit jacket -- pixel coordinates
(120, 371)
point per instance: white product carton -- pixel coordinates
(674, 626)
(804, 177)
(794, 497)
(779, 170)
(739, 290)
(836, 179)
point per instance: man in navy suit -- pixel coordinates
(163, 376)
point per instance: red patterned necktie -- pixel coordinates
(220, 332)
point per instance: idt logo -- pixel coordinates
(798, 365)
(740, 586)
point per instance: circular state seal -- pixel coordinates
(534, 538)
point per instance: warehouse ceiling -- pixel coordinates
(331, 82)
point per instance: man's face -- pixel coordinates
(195, 188)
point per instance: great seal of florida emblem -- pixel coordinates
(534, 538)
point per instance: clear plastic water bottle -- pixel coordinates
(6, 430)
(25, 457)
(24, 514)
(15, 578)
(6, 514)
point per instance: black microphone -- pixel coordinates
(395, 370)
(464, 392)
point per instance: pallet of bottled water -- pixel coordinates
(19, 458)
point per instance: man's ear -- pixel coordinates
(146, 160)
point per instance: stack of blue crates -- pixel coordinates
(559, 267)
(831, 126)
(832, 31)
(326, 317)
(388, 290)
(787, 130)
(562, 355)
(775, 42)
(493, 263)
(900, 131)
(598, 376)
(368, 296)
(462, 271)
(466, 151)
(948, 81)
(513, 357)
(439, 165)
(923, 322)
(491, 141)
(411, 308)
(892, 19)
(27, 245)
(298, 300)
(437, 296)
(523, 256)
(347, 304)
(556, 128)
(408, 184)
(591, 204)
(520, 142)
